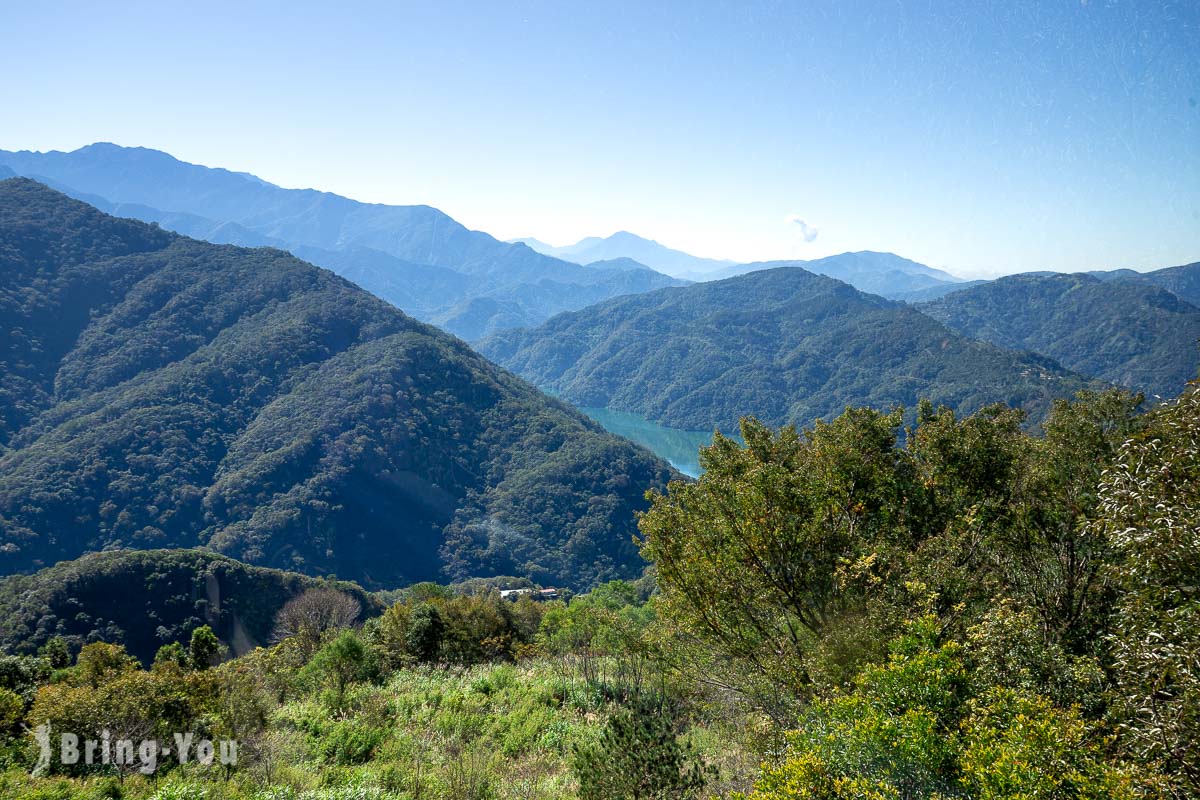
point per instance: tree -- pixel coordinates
(171, 655)
(1150, 507)
(914, 728)
(57, 652)
(425, 631)
(782, 541)
(1052, 560)
(639, 757)
(339, 663)
(205, 648)
(312, 615)
(100, 662)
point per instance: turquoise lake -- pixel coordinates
(679, 447)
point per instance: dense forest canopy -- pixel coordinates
(156, 391)
(145, 599)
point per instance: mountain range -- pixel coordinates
(476, 283)
(623, 244)
(1127, 332)
(782, 344)
(884, 274)
(158, 391)
(1183, 280)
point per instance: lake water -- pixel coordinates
(679, 447)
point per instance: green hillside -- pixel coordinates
(145, 599)
(1131, 334)
(415, 257)
(156, 391)
(783, 345)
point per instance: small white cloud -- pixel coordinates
(803, 229)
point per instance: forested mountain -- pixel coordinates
(143, 599)
(784, 345)
(884, 274)
(500, 284)
(623, 244)
(934, 292)
(1183, 281)
(1130, 334)
(157, 391)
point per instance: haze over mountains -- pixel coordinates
(477, 284)
(884, 274)
(157, 391)
(623, 244)
(784, 345)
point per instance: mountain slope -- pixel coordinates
(111, 597)
(156, 391)
(1183, 281)
(623, 244)
(154, 186)
(1133, 335)
(784, 345)
(885, 274)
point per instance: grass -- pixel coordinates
(493, 732)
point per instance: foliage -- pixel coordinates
(782, 345)
(159, 392)
(339, 663)
(912, 728)
(1127, 333)
(1151, 508)
(205, 648)
(638, 756)
(792, 558)
(111, 597)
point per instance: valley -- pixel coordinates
(600, 401)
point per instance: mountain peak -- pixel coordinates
(624, 244)
(288, 368)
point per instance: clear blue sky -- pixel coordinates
(1061, 135)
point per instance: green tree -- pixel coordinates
(1150, 507)
(100, 662)
(339, 663)
(782, 541)
(914, 728)
(639, 756)
(205, 648)
(423, 637)
(57, 652)
(170, 656)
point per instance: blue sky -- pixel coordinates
(1052, 135)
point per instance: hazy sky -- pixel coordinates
(1061, 135)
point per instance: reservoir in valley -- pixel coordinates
(681, 448)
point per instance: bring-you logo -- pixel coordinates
(66, 751)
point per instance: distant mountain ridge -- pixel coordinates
(161, 392)
(785, 345)
(623, 244)
(885, 274)
(1183, 280)
(505, 285)
(1130, 333)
